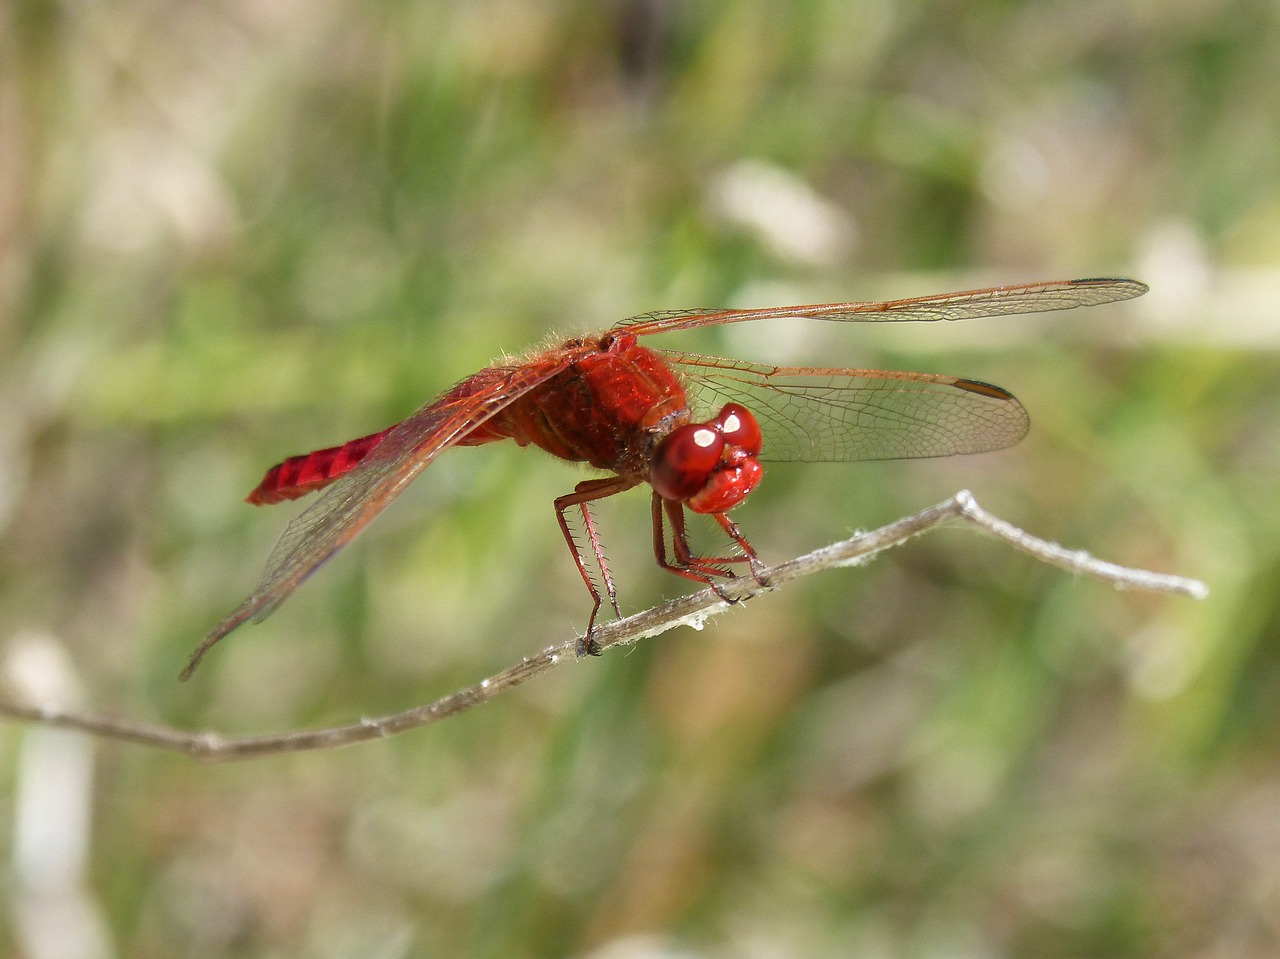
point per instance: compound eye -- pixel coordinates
(685, 460)
(739, 428)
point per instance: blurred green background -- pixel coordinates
(237, 230)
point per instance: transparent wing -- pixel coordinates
(969, 304)
(836, 415)
(347, 506)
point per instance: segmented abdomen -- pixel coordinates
(602, 407)
(299, 475)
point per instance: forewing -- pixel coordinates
(347, 506)
(836, 415)
(969, 304)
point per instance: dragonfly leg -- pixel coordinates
(748, 553)
(702, 569)
(586, 492)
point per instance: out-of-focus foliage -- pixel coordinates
(240, 229)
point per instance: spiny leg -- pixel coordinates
(683, 559)
(602, 563)
(748, 552)
(702, 569)
(586, 492)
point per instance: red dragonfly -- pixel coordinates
(695, 428)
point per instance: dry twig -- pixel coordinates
(688, 610)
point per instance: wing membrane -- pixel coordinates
(346, 507)
(969, 304)
(837, 415)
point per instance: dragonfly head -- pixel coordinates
(712, 466)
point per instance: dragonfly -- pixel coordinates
(695, 428)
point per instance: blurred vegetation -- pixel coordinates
(237, 230)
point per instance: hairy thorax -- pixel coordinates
(608, 408)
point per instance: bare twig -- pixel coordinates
(688, 610)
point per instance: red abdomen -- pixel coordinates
(607, 407)
(299, 475)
